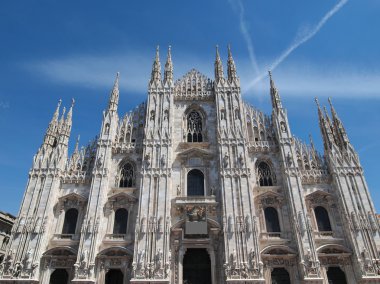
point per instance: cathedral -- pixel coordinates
(195, 186)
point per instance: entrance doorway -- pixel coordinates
(196, 267)
(114, 276)
(335, 275)
(280, 276)
(59, 276)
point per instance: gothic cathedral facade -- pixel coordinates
(195, 186)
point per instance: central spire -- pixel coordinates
(218, 66)
(156, 68)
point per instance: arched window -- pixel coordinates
(70, 223)
(335, 275)
(279, 275)
(194, 127)
(121, 221)
(59, 276)
(271, 220)
(195, 183)
(323, 220)
(264, 175)
(127, 176)
(114, 276)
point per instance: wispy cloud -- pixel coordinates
(300, 39)
(238, 6)
(318, 80)
(4, 105)
(99, 70)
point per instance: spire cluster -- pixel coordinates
(333, 131)
(58, 129)
(156, 69)
(231, 67)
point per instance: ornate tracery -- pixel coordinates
(194, 127)
(127, 175)
(265, 176)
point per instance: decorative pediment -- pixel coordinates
(195, 152)
(73, 196)
(122, 196)
(194, 85)
(333, 249)
(71, 200)
(319, 197)
(270, 198)
(278, 250)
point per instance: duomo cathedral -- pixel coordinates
(195, 186)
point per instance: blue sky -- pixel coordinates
(64, 49)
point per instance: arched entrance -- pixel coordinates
(196, 267)
(280, 276)
(59, 276)
(335, 275)
(114, 276)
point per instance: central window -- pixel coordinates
(195, 183)
(127, 176)
(194, 127)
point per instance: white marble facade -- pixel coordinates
(195, 186)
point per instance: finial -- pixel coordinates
(317, 102)
(329, 99)
(217, 51)
(72, 102)
(229, 49)
(157, 52)
(325, 110)
(311, 141)
(270, 74)
(77, 144)
(56, 113)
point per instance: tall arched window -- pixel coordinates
(59, 276)
(279, 275)
(194, 127)
(265, 175)
(336, 275)
(121, 221)
(127, 176)
(70, 223)
(271, 220)
(195, 183)
(323, 220)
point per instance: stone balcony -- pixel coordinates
(117, 239)
(275, 237)
(65, 239)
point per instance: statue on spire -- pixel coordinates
(168, 76)
(274, 94)
(218, 66)
(156, 69)
(231, 70)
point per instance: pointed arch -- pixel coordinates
(127, 175)
(265, 174)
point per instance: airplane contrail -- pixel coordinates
(246, 35)
(299, 42)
